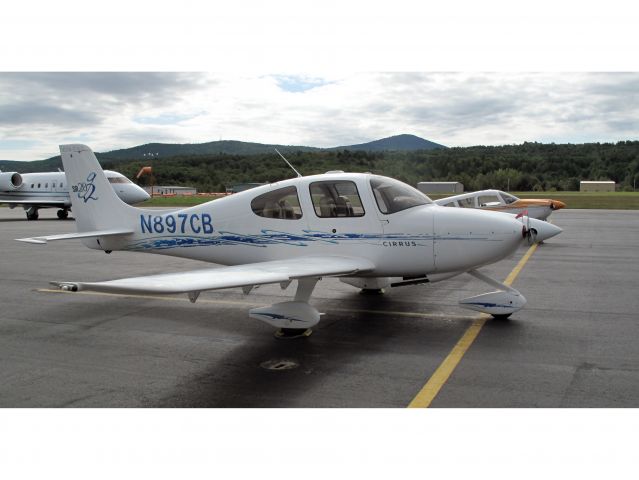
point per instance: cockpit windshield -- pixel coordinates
(119, 180)
(394, 196)
(508, 198)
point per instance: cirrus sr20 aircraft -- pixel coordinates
(34, 191)
(366, 229)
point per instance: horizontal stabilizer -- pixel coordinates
(75, 236)
(276, 271)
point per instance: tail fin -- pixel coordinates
(95, 204)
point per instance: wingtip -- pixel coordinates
(36, 240)
(66, 286)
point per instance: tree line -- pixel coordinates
(527, 167)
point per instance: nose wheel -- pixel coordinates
(63, 214)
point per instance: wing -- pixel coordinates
(44, 201)
(276, 271)
(75, 236)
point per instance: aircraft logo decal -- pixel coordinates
(85, 190)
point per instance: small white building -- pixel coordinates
(597, 186)
(440, 187)
(170, 190)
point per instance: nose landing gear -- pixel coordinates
(500, 304)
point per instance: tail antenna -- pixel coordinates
(288, 163)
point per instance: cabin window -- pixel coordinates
(46, 185)
(394, 196)
(38, 185)
(468, 202)
(283, 204)
(338, 198)
(488, 201)
(32, 185)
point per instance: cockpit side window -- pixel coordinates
(489, 200)
(394, 196)
(283, 204)
(336, 198)
(468, 202)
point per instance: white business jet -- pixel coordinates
(363, 228)
(34, 191)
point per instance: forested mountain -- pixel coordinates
(396, 143)
(229, 147)
(529, 166)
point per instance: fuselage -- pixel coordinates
(49, 189)
(397, 227)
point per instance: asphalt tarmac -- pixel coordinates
(573, 345)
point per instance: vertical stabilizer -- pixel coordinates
(95, 204)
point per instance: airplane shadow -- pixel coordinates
(339, 343)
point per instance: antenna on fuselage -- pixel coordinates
(288, 163)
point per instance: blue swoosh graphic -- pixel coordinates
(274, 237)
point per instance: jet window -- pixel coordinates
(32, 185)
(46, 185)
(38, 185)
(394, 196)
(282, 203)
(338, 198)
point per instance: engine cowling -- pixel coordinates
(10, 181)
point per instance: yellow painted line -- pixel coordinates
(245, 303)
(513, 275)
(435, 383)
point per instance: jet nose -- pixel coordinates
(138, 194)
(557, 205)
(542, 231)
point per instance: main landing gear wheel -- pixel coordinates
(63, 214)
(32, 215)
(289, 333)
(502, 317)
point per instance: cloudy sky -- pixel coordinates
(39, 111)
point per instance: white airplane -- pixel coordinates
(48, 190)
(498, 201)
(362, 228)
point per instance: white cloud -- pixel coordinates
(38, 111)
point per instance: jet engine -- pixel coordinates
(10, 181)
